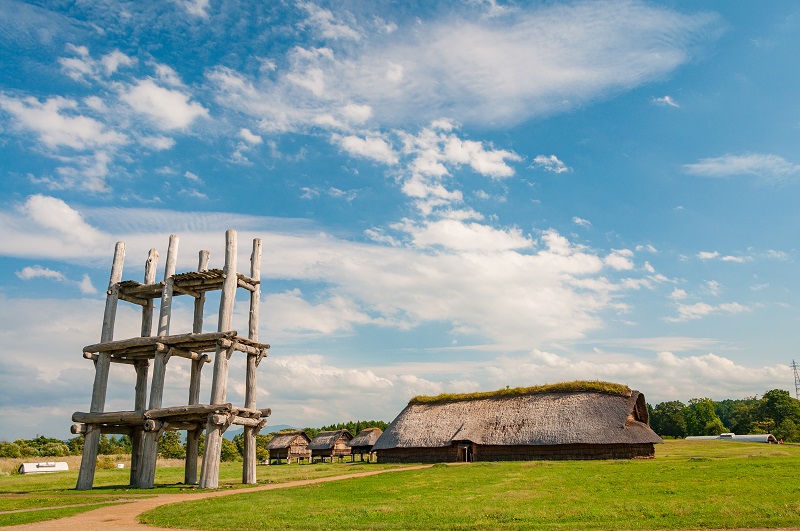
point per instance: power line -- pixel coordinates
(795, 368)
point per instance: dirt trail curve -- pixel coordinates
(123, 517)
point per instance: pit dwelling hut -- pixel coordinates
(574, 420)
(289, 445)
(363, 443)
(330, 444)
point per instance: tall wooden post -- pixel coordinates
(209, 478)
(249, 465)
(147, 473)
(193, 436)
(92, 438)
(142, 368)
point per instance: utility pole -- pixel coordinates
(795, 368)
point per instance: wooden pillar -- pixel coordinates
(142, 367)
(147, 472)
(211, 456)
(92, 437)
(192, 436)
(249, 465)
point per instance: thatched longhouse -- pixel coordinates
(578, 420)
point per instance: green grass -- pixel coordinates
(690, 485)
(56, 490)
(595, 386)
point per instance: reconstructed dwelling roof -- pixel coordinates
(540, 418)
(326, 440)
(366, 437)
(285, 439)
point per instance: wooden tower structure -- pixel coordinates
(149, 418)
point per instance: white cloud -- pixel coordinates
(707, 255)
(581, 222)
(159, 143)
(665, 100)
(688, 312)
(249, 137)
(371, 147)
(197, 8)
(37, 271)
(325, 23)
(493, 71)
(57, 124)
(712, 255)
(551, 164)
(193, 177)
(767, 167)
(168, 109)
(619, 260)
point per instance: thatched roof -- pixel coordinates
(326, 440)
(285, 439)
(366, 437)
(533, 419)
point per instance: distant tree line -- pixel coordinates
(170, 446)
(776, 413)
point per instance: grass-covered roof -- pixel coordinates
(576, 386)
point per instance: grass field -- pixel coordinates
(31, 498)
(689, 485)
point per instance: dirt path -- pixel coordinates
(123, 517)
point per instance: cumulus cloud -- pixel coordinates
(551, 164)
(764, 166)
(324, 23)
(688, 312)
(57, 123)
(371, 147)
(37, 271)
(168, 108)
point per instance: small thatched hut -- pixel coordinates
(289, 445)
(363, 443)
(576, 420)
(330, 444)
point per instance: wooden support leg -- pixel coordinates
(249, 467)
(91, 444)
(192, 447)
(137, 442)
(209, 476)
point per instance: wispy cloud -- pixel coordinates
(581, 222)
(767, 167)
(665, 101)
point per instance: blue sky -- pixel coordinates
(453, 196)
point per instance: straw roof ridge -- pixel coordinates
(576, 386)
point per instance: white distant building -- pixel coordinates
(756, 437)
(41, 468)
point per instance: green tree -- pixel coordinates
(54, 449)
(700, 416)
(170, 447)
(667, 419)
(229, 451)
(76, 445)
(778, 406)
(8, 449)
(788, 431)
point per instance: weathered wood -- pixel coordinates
(109, 346)
(246, 285)
(81, 429)
(181, 353)
(165, 314)
(149, 277)
(113, 359)
(192, 455)
(209, 474)
(92, 437)
(203, 409)
(219, 381)
(237, 345)
(111, 417)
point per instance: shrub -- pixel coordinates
(8, 449)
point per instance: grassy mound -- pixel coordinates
(576, 386)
